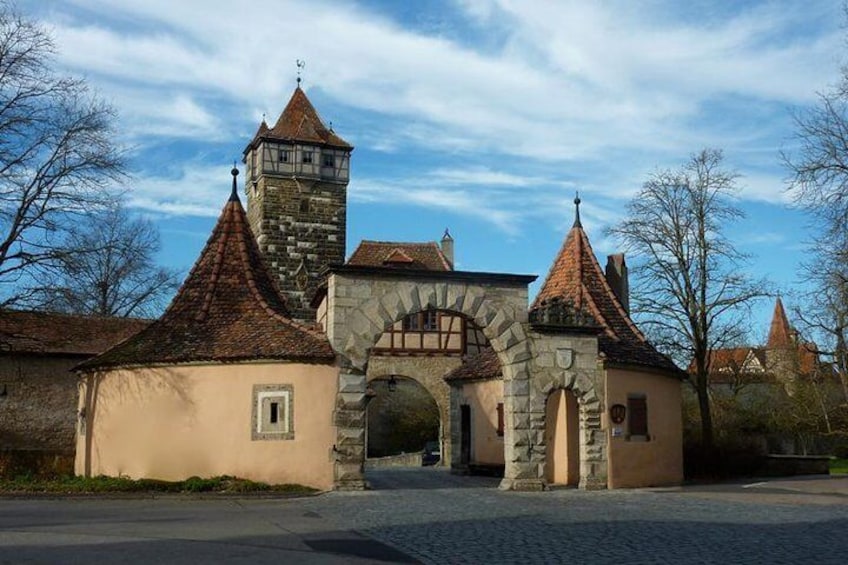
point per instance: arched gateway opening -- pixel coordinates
(402, 420)
(562, 438)
(363, 303)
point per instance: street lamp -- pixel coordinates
(392, 384)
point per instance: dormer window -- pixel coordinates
(284, 155)
(307, 157)
(329, 161)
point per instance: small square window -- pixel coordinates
(284, 155)
(272, 412)
(306, 157)
(329, 160)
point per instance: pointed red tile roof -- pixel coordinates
(780, 333)
(577, 277)
(426, 256)
(228, 309)
(300, 122)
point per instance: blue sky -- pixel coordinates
(484, 116)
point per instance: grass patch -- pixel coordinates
(66, 484)
(838, 466)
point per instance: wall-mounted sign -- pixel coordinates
(617, 413)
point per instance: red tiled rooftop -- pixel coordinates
(299, 121)
(577, 277)
(400, 255)
(780, 332)
(63, 334)
(228, 309)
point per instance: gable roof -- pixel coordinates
(576, 276)
(299, 121)
(63, 334)
(780, 332)
(426, 256)
(228, 309)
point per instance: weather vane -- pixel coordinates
(300, 66)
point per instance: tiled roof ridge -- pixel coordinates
(12, 311)
(607, 289)
(433, 245)
(583, 249)
(239, 219)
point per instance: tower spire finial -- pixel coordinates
(234, 194)
(301, 64)
(577, 201)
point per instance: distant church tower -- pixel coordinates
(297, 176)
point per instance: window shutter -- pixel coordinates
(637, 412)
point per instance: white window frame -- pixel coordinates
(260, 424)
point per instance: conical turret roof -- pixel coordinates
(228, 309)
(300, 122)
(577, 277)
(780, 332)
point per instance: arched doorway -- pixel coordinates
(402, 418)
(562, 438)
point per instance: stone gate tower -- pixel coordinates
(297, 175)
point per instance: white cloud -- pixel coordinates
(572, 96)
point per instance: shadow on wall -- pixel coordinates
(135, 399)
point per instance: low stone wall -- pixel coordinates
(18, 462)
(402, 460)
(788, 465)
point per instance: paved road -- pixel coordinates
(429, 516)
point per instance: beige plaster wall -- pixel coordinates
(173, 423)
(659, 460)
(487, 447)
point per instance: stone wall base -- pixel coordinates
(523, 485)
(352, 485)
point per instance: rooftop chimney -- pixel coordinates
(447, 247)
(616, 275)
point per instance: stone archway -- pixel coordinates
(362, 303)
(429, 375)
(571, 362)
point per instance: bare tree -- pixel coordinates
(107, 268)
(818, 181)
(57, 156)
(690, 287)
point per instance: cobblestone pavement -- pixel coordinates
(430, 516)
(417, 512)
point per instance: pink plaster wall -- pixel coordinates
(173, 423)
(483, 397)
(658, 461)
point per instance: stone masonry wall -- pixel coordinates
(39, 409)
(570, 361)
(298, 223)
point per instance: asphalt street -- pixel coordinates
(429, 516)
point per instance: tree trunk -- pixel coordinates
(706, 416)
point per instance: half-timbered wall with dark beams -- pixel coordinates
(431, 332)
